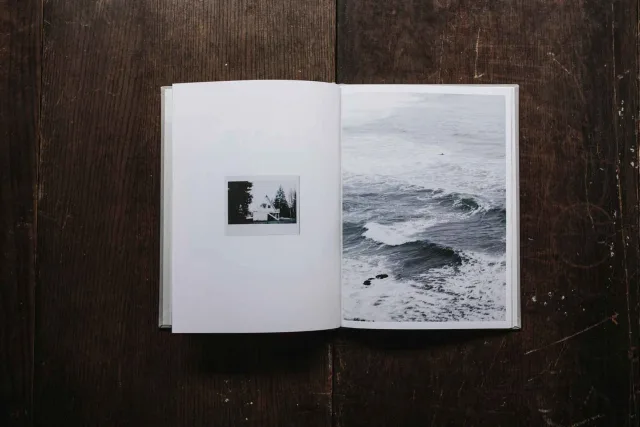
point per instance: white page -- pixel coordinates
(281, 271)
(430, 207)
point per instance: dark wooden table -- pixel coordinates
(79, 212)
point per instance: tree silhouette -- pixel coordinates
(280, 202)
(238, 198)
(293, 203)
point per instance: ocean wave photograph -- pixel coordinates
(424, 207)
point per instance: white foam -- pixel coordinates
(481, 276)
(429, 214)
(398, 233)
(473, 292)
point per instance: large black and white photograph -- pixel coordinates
(424, 207)
(262, 205)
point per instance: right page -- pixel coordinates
(430, 207)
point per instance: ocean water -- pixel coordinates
(424, 203)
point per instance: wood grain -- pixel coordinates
(101, 359)
(575, 362)
(89, 137)
(20, 36)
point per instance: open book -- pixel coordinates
(299, 206)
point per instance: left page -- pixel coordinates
(255, 207)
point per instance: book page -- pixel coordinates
(429, 232)
(164, 311)
(255, 227)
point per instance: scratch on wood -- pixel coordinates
(586, 399)
(632, 385)
(440, 59)
(555, 364)
(548, 421)
(461, 387)
(611, 318)
(587, 421)
(493, 361)
(553, 58)
(435, 413)
(588, 203)
(330, 356)
(475, 72)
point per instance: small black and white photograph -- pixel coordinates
(262, 205)
(424, 207)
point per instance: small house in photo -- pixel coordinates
(265, 211)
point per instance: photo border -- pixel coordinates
(262, 229)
